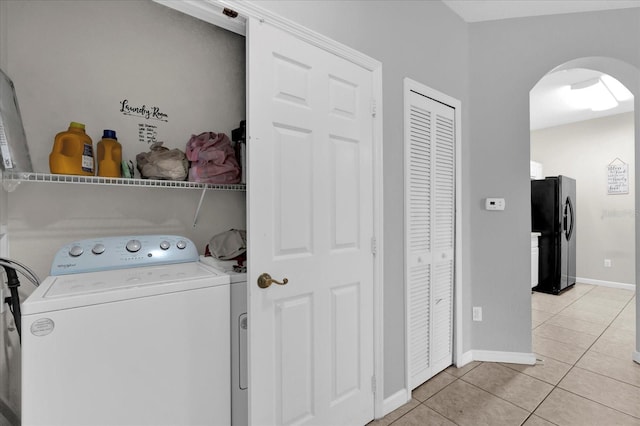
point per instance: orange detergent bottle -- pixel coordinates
(72, 152)
(109, 155)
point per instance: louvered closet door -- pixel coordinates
(429, 234)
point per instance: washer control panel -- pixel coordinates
(103, 254)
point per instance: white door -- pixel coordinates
(429, 234)
(310, 208)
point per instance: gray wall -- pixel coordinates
(507, 58)
(426, 42)
(583, 150)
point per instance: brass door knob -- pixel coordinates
(265, 280)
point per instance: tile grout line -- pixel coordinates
(595, 372)
(501, 398)
(423, 402)
(436, 411)
(601, 334)
(607, 326)
(530, 413)
(456, 379)
(597, 402)
(574, 365)
(554, 386)
(507, 401)
(599, 374)
(461, 378)
(440, 390)
(565, 307)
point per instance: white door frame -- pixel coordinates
(211, 11)
(459, 358)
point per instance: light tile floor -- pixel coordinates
(583, 340)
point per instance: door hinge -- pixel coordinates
(373, 384)
(373, 107)
(374, 246)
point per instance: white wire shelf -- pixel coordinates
(18, 177)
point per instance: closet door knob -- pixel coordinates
(265, 280)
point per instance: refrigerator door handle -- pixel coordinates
(569, 209)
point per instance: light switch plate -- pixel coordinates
(494, 204)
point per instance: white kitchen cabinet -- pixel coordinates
(535, 251)
(535, 170)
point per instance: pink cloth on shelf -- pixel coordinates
(213, 160)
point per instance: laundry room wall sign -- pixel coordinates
(149, 113)
(147, 133)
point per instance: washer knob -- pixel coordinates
(181, 244)
(98, 249)
(164, 245)
(133, 246)
(76, 251)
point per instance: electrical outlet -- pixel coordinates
(607, 263)
(477, 313)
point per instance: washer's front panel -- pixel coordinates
(148, 361)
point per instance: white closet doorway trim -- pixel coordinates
(433, 264)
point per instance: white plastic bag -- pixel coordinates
(162, 163)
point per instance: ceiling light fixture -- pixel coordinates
(592, 94)
(618, 90)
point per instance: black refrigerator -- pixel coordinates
(553, 213)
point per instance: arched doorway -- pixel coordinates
(629, 76)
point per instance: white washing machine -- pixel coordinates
(239, 380)
(127, 331)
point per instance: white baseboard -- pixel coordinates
(612, 284)
(395, 401)
(636, 357)
(465, 359)
(500, 356)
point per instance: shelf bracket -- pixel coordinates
(8, 185)
(195, 217)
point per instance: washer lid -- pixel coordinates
(225, 266)
(76, 290)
